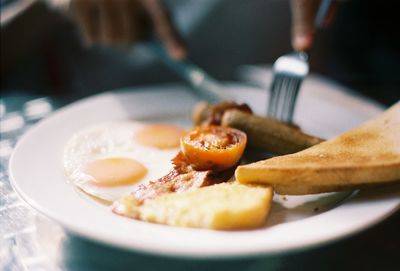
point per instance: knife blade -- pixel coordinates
(203, 85)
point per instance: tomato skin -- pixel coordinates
(213, 147)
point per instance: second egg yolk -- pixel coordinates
(161, 136)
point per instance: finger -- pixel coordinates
(126, 12)
(86, 14)
(303, 15)
(135, 18)
(164, 28)
(110, 21)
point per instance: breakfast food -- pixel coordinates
(181, 178)
(115, 171)
(192, 195)
(208, 156)
(205, 113)
(364, 156)
(109, 160)
(160, 173)
(161, 136)
(213, 147)
(225, 206)
(268, 134)
(263, 133)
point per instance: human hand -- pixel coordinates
(303, 22)
(122, 22)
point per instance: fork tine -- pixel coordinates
(289, 99)
(273, 96)
(279, 93)
(293, 99)
(282, 97)
(284, 91)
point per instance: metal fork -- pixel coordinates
(288, 73)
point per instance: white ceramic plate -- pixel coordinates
(295, 222)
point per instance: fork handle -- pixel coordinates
(318, 22)
(321, 13)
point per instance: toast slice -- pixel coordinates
(365, 156)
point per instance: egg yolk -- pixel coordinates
(161, 136)
(115, 171)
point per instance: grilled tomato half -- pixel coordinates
(213, 147)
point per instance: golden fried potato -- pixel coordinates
(225, 206)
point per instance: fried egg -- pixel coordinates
(108, 160)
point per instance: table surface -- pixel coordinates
(29, 241)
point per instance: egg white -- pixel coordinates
(108, 140)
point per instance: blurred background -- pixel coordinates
(42, 52)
